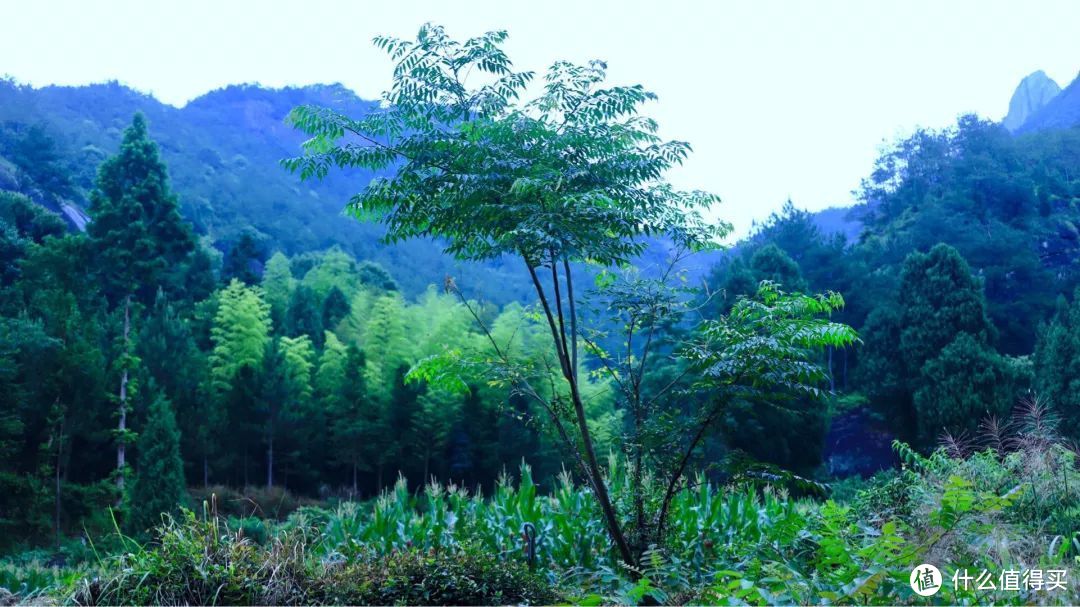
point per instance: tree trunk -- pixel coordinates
(121, 446)
(59, 454)
(205, 471)
(592, 466)
(354, 479)
(270, 457)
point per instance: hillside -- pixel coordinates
(223, 151)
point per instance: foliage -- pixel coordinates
(159, 486)
(137, 232)
(1057, 364)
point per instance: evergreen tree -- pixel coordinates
(138, 238)
(930, 365)
(137, 232)
(964, 385)
(244, 260)
(159, 486)
(174, 363)
(939, 299)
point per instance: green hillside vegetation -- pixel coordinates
(214, 393)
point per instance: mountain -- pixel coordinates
(223, 151)
(1061, 112)
(1033, 93)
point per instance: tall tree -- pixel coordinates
(574, 176)
(241, 338)
(138, 238)
(290, 387)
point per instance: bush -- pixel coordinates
(267, 503)
(414, 577)
(205, 562)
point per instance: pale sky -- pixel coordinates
(777, 98)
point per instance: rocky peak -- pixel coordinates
(1034, 92)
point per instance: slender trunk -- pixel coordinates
(639, 498)
(427, 464)
(593, 474)
(205, 471)
(121, 445)
(378, 480)
(354, 479)
(270, 456)
(245, 467)
(59, 454)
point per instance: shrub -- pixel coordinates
(415, 577)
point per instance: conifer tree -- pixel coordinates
(138, 238)
(159, 486)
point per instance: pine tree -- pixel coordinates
(159, 486)
(138, 238)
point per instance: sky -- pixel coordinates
(778, 99)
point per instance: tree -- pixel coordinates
(241, 331)
(929, 364)
(961, 387)
(173, 362)
(159, 487)
(304, 316)
(334, 308)
(244, 259)
(290, 387)
(278, 284)
(1057, 364)
(574, 176)
(138, 238)
(939, 298)
(241, 336)
(386, 346)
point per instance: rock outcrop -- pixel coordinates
(1034, 93)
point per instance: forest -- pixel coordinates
(543, 378)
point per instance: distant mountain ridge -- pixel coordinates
(223, 151)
